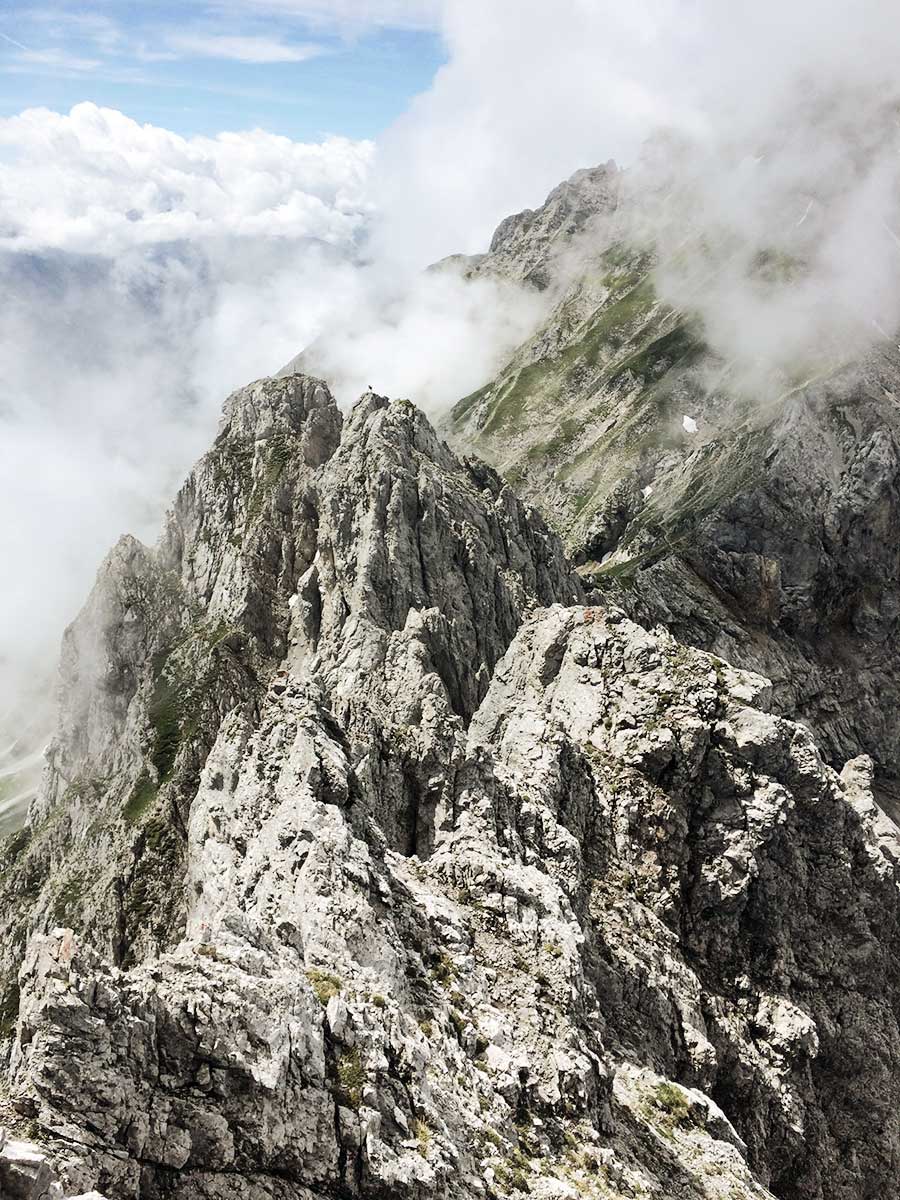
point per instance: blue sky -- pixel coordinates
(302, 68)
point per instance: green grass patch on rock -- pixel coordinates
(324, 984)
(140, 799)
(671, 1100)
(352, 1076)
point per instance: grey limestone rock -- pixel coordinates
(370, 860)
(381, 852)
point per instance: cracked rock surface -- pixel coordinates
(376, 858)
(758, 524)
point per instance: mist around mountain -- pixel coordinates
(483, 781)
(146, 274)
(395, 840)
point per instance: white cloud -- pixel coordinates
(531, 92)
(243, 49)
(58, 60)
(432, 337)
(12, 41)
(347, 16)
(778, 209)
(95, 181)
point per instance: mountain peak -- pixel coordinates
(381, 852)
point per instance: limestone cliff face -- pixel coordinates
(761, 530)
(375, 857)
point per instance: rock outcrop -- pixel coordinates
(757, 527)
(374, 857)
(526, 246)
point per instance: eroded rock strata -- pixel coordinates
(376, 857)
(758, 522)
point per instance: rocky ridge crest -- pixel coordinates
(375, 857)
(756, 527)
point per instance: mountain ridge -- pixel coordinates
(755, 528)
(382, 852)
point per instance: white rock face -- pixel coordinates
(26, 1173)
(374, 862)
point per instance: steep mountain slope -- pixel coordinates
(758, 529)
(376, 858)
(25, 730)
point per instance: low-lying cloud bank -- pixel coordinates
(96, 182)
